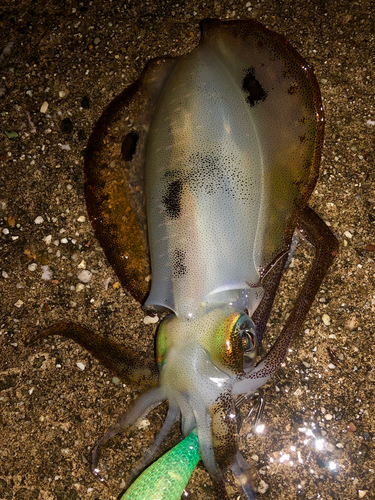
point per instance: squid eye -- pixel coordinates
(248, 340)
(247, 334)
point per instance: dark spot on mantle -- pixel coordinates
(129, 145)
(172, 199)
(253, 88)
(178, 263)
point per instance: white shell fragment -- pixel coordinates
(326, 319)
(84, 276)
(39, 220)
(47, 273)
(44, 107)
(148, 320)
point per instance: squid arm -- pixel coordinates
(326, 249)
(120, 360)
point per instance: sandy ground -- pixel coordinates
(318, 441)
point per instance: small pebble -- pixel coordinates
(5, 230)
(331, 366)
(11, 221)
(362, 493)
(84, 276)
(326, 319)
(351, 427)
(116, 380)
(48, 239)
(148, 320)
(348, 234)
(11, 134)
(80, 287)
(351, 323)
(75, 256)
(262, 487)
(39, 220)
(19, 303)
(82, 265)
(44, 107)
(328, 416)
(82, 218)
(4, 274)
(32, 267)
(47, 273)
(64, 241)
(144, 424)
(81, 366)
(339, 445)
(30, 254)
(330, 447)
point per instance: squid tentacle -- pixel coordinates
(170, 420)
(270, 284)
(205, 441)
(149, 400)
(240, 471)
(225, 426)
(123, 361)
(326, 248)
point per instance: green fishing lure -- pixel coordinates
(166, 478)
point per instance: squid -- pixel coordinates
(199, 174)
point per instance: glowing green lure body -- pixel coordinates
(166, 478)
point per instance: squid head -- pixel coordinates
(200, 360)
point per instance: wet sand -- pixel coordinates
(319, 431)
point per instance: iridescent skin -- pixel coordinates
(228, 139)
